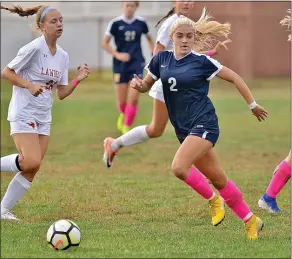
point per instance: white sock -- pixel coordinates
(9, 163)
(134, 136)
(16, 189)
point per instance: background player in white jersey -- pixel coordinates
(128, 59)
(38, 67)
(282, 173)
(196, 180)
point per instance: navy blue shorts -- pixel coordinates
(206, 129)
(126, 77)
(122, 76)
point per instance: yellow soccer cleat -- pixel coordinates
(120, 122)
(253, 227)
(217, 210)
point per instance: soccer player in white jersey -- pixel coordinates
(197, 181)
(282, 173)
(38, 67)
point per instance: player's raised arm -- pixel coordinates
(232, 77)
(64, 89)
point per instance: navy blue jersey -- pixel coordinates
(127, 35)
(185, 87)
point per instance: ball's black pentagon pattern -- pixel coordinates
(74, 224)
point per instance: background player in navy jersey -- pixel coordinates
(185, 77)
(282, 173)
(127, 60)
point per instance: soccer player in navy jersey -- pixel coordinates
(282, 173)
(185, 77)
(128, 59)
(160, 118)
(196, 181)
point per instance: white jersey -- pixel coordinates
(164, 39)
(163, 33)
(35, 63)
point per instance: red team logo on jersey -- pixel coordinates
(32, 124)
(49, 85)
(51, 72)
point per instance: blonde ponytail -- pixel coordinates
(286, 21)
(206, 31)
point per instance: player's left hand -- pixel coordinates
(221, 45)
(82, 72)
(260, 113)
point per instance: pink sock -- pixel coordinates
(130, 114)
(197, 181)
(280, 178)
(122, 107)
(233, 198)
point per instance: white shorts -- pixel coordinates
(30, 126)
(156, 91)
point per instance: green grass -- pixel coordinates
(139, 209)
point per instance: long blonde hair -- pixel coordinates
(286, 21)
(206, 31)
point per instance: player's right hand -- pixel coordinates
(136, 83)
(124, 57)
(34, 89)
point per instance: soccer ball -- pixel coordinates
(63, 234)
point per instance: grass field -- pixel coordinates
(139, 209)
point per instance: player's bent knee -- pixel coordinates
(31, 165)
(179, 170)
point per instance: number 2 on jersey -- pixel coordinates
(130, 35)
(172, 81)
